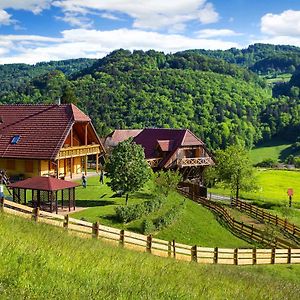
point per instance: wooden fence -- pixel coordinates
(157, 246)
(262, 215)
(240, 228)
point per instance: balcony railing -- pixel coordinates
(78, 151)
(154, 162)
(194, 161)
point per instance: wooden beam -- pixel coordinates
(71, 167)
(57, 169)
(97, 162)
(85, 164)
(85, 133)
(71, 137)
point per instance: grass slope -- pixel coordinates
(276, 149)
(42, 262)
(194, 226)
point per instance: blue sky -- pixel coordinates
(43, 30)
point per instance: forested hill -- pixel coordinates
(260, 58)
(220, 102)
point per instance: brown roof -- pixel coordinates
(169, 139)
(42, 129)
(44, 184)
(120, 135)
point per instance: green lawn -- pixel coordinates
(276, 149)
(272, 193)
(39, 261)
(195, 225)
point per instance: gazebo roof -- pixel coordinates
(44, 184)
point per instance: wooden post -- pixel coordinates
(194, 254)
(97, 162)
(254, 256)
(95, 231)
(149, 243)
(69, 192)
(122, 238)
(85, 164)
(174, 248)
(289, 259)
(1, 203)
(74, 198)
(236, 256)
(273, 255)
(57, 169)
(35, 214)
(216, 255)
(66, 221)
(170, 249)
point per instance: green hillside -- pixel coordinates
(42, 262)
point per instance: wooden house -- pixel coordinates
(52, 140)
(176, 149)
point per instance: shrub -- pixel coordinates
(166, 181)
(148, 227)
(267, 163)
(129, 213)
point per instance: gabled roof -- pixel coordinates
(42, 129)
(169, 140)
(120, 135)
(44, 184)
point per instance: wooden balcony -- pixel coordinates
(78, 151)
(194, 162)
(154, 162)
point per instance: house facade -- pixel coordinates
(46, 140)
(175, 149)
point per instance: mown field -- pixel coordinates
(276, 149)
(39, 261)
(194, 225)
(272, 192)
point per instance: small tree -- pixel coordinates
(235, 170)
(127, 168)
(166, 181)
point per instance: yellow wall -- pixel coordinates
(19, 167)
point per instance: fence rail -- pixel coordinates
(157, 246)
(262, 215)
(242, 229)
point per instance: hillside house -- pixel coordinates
(176, 149)
(52, 140)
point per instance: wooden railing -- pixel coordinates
(195, 161)
(155, 246)
(240, 228)
(78, 151)
(154, 162)
(262, 215)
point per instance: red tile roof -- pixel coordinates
(44, 184)
(120, 135)
(42, 129)
(170, 139)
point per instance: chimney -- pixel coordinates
(59, 101)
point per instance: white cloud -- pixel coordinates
(77, 43)
(278, 40)
(5, 18)
(76, 21)
(147, 14)
(285, 24)
(208, 33)
(109, 16)
(36, 6)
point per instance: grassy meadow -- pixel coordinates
(195, 225)
(39, 261)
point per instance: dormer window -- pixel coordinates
(15, 139)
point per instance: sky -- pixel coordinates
(42, 30)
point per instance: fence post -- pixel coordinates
(273, 255)
(216, 255)
(174, 248)
(289, 260)
(66, 221)
(149, 243)
(95, 230)
(194, 253)
(254, 256)
(122, 237)
(35, 214)
(170, 249)
(1, 203)
(236, 256)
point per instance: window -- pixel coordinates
(28, 166)
(15, 139)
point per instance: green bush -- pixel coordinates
(267, 163)
(148, 227)
(129, 213)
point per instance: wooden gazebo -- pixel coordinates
(47, 193)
